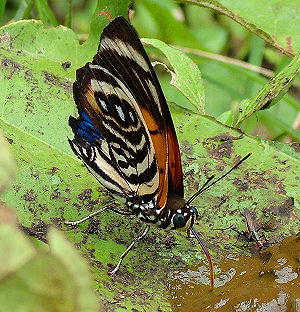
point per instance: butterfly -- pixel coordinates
(125, 134)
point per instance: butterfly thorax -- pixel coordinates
(176, 214)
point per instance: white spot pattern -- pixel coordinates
(103, 104)
(131, 116)
(120, 112)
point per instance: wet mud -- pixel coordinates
(269, 282)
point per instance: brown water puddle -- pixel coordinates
(266, 283)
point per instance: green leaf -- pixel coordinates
(187, 77)
(271, 93)
(2, 8)
(265, 177)
(33, 279)
(44, 13)
(32, 43)
(24, 10)
(79, 270)
(256, 54)
(99, 20)
(16, 250)
(157, 19)
(35, 84)
(225, 118)
(68, 15)
(270, 20)
(27, 12)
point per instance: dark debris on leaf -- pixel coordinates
(296, 146)
(53, 170)
(51, 79)
(220, 146)
(283, 210)
(34, 173)
(93, 227)
(66, 65)
(8, 64)
(30, 196)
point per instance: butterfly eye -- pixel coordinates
(194, 211)
(179, 220)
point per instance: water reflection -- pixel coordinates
(266, 283)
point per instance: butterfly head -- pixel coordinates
(184, 218)
(181, 215)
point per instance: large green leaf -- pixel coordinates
(271, 20)
(52, 186)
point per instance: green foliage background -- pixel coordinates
(209, 96)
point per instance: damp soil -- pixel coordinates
(269, 282)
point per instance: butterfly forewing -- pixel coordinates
(145, 86)
(121, 52)
(135, 147)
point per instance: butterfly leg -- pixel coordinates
(75, 223)
(136, 239)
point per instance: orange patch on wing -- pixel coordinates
(175, 169)
(89, 94)
(159, 139)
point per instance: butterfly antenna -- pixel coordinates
(201, 189)
(206, 186)
(205, 250)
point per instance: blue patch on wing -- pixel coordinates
(86, 129)
(86, 117)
